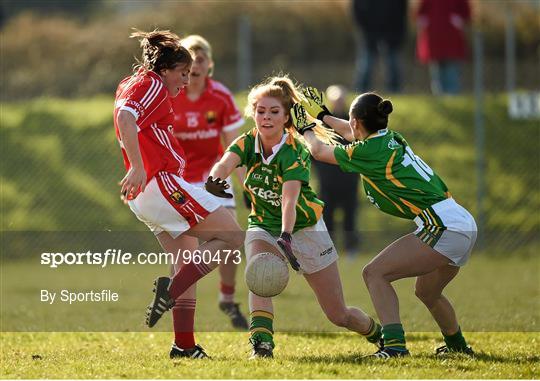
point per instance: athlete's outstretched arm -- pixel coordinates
(319, 150)
(290, 193)
(225, 166)
(135, 178)
(302, 125)
(341, 126)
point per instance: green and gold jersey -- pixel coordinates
(264, 181)
(395, 180)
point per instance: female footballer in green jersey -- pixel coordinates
(398, 183)
(286, 213)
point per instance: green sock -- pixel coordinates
(374, 333)
(455, 341)
(264, 337)
(261, 326)
(394, 337)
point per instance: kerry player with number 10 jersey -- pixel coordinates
(398, 183)
(285, 218)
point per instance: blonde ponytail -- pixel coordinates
(283, 88)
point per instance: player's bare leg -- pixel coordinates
(227, 273)
(219, 232)
(429, 289)
(406, 257)
(327, 286)
(261, 309)
(227, 270)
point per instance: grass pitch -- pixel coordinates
(59, 172)
(323, 356)
(497, 301)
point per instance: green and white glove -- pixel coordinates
(300, 121)
(315, 103)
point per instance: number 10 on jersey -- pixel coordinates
(418, 164)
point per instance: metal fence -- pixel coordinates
(60, 162)
(61, 165)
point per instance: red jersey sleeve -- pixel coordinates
(143, 99)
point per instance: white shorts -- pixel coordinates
(171, 204)
(226, 202)
(449, 229)
(312, 246)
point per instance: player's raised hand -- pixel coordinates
(217, 187)
(314, 103)
(133, 182)
(300, 122)
(284, 242)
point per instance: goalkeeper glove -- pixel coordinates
(315, 103)
(300, 121)
(217, 187)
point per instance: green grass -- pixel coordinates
(491, 294)
(329, 356)
(58, 187)
(497, 301)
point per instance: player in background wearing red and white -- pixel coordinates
(205, 116)
(174, 210)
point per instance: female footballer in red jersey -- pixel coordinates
(204, 115)
(153, 186)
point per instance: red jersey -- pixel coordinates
(198, 126)
(145, 96)
(442, 37)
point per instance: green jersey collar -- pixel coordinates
(377, 134)
(275, 148)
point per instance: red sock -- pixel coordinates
(183, 314)
(186, 276)
(226, 293)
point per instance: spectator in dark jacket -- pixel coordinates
(382, 25)
(441, 41)
(339, 190)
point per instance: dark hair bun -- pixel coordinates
(385, 107)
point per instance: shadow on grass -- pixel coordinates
(415, 337)
(350, 358)
(479, 356)
(506, 360)
(358, 358)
